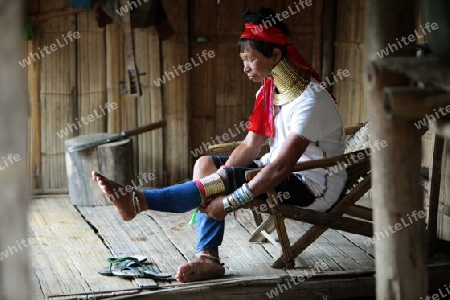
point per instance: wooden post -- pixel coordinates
(401, 254)
(14, 180)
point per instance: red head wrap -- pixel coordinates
(261, 120)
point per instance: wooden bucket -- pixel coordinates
(113, 160)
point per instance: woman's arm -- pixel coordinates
(270, 176)
(278, 170)
(247, 151)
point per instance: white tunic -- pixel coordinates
(315, 117)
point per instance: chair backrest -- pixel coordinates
(359, 140)
(227, 148)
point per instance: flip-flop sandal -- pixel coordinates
(140, 271)
(117, 263)
(128, 272)
(152, 273)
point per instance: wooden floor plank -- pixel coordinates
(70, 245)
(141, 236)
(326, 249)
(66, 253)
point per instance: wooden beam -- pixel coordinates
(14, 177)
(413, 103)
(424, 69)
(43, 16)
(401, 257)
(355, 285)
(359, 211)
(333, 221)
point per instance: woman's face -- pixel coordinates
(256, 65)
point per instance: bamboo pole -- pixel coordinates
(34, 81)
(400, 256)
(14, 181)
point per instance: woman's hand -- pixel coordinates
(214, 209)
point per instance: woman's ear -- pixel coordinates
(277, 55)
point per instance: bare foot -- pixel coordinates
(119, 197)
(200, 268)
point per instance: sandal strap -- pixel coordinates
(216, 259)
(112, 260)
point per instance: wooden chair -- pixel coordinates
(357, 219)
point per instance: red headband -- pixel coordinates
(263, 33)
(276, 36)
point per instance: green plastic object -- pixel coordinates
(28, 31)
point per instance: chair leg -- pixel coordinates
(307, 239)
(267, 227)
(257, 217)
(287, 259)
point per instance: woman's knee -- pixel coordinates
(204, 164)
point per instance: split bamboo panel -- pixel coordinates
(59, 106)
(231, 107)
(114, 74)
(203, 79)
(233, 102)
(150, 150)
(317, 57)
(176, 94)
(125, 117)
(91, 74)
(444, 199)
(349, 91)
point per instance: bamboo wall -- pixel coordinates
(82, 76)
(349, 54)
(212, 99)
